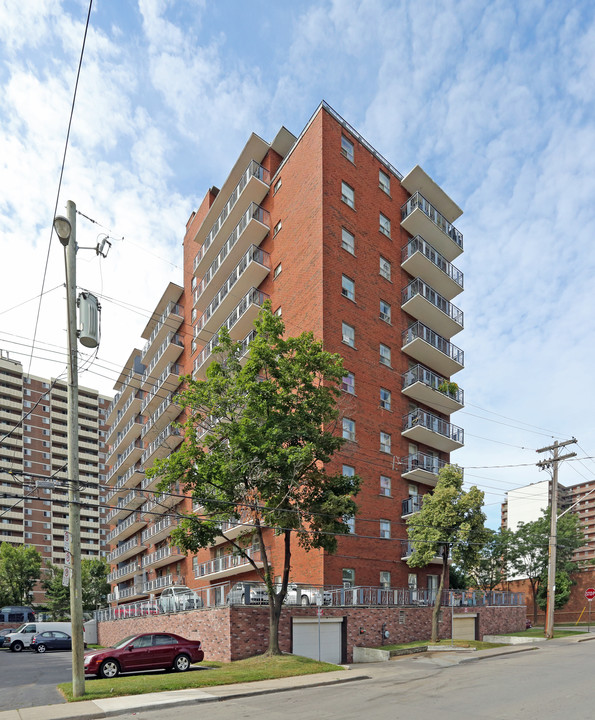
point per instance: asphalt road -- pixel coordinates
(551, 683)
(28, 678)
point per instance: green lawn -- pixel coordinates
(202, 675)
(538, 632)
(477, 644)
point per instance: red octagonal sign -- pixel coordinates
(590, 593)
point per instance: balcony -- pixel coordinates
(128, 549)
(160, 502)
(252, 188)
(131, 380)
(251, 230)
(129, 432)
(170, 320)
(418, 179)
(160, 448)
(411, 505)
(419, 217)
(169, 351)
(420, 259)
(203, 361)
(167, 382)
(425, 304)
(228, 565)
(427, 347)
(130, 593)
(158, 531)
(132, 477)
(162, 582)
(128, 458)
(125, 572)
(407, 550)
(422, 427)
(164, 415)
(233, 530)
(131, 525)
(163, 556)
(430, 389)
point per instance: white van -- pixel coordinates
(21, 639)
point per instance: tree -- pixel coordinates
(530, 548)
(564, 585)
(258, 437)
(490, 568)
(20, 566)
(449, 524)
(94, 587)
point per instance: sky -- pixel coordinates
(494, 100)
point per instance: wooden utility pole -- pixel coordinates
(551, 569)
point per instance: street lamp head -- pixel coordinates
(63, 228)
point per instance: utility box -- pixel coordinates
(89, 310)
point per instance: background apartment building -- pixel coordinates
(33, 449)
(345, 246)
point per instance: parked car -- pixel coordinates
(16, 614)
(147, 651)
(21, 637)
(306, 595)
(136, 609)
(51, 640)
(4, 632)
(243, 593)
(177, 598)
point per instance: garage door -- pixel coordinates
(306, 638)
(464, 627)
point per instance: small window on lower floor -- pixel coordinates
(385, 579)
(348, 577)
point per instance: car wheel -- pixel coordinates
(182, 663)
(305, 600)
(41, 648)
(17, 646)
(109, 668)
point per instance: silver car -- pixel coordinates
(178, 598)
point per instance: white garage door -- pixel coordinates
(464, 627)
(306, 634)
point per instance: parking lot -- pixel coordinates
(28, 679)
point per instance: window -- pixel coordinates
(348, 383)
(28, 463)
(384, 181)
(347, 241)
(385, 579)
(27, 441)
(279, 311)
(277, 228)
(194, 314)
(347, 287)
(385, 442)
(349, 429)
(347, 148)
(46, 421)
(384, 225)
(348, 470)
(385, 399)
(385, 268)
(27, 403)
(385, 486)
(28, 536)
(277, 186)
(194, 345)
(349, 520)
(385, 529)
(348, 195)
(385, 355)
(277, 271)
(385, 313)
(348, 334)
(348, 577)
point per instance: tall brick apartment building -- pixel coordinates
(33, 446)
(342, 244)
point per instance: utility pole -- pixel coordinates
(551, 570)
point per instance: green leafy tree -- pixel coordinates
(258, 438)
(94, 583)
(20, 567)
(490, 568)
(449, 524)
(529, 550)
(57, 596)
(564, 585)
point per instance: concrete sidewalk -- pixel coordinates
(110, 707)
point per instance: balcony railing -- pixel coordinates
(167, 403)
(172, 308)
(417, 200)
(132, 519)
(206, 353)
(159, 440)
(254, 212)
(419, 373)
(423, 332)
(150, 532)
(254, 169)
(122, 458)
(419, 287)
(421, 418)
(122, 411)
(161, 554)
(172, 369)
(422, 461)
(137, 419)
(418, 244)
(123, 549)
(116, 575)
(172, 338)
(411, 505)
(226, 562)
(162, 582)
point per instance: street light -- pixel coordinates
(63, 229)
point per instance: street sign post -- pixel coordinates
(589, 594)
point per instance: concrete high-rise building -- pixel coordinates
(33, 449)
(343, 245)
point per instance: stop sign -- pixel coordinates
(590, 594)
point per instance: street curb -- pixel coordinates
(500, 654)
(339, 681)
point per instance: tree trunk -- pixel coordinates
(438, 600)
(276, 599)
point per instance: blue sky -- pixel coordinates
(495, 101)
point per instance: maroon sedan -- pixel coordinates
(148, 651)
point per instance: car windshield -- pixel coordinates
(20, 629)
(124, 642)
